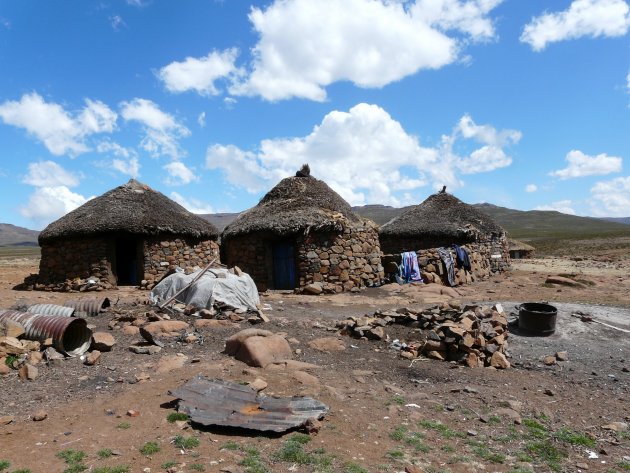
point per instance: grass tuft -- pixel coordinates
(4, 465)
(123, 425)
(112, 469)
(150, 448)
(104, 453)
(186, 443)
(175, 416)
(575, 438)
(71, 456)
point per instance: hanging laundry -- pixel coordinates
(410, 268)
(446, 257)
(463, 261)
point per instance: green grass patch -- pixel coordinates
(150, 448)
(197, 467)
(22, 470)
(112, 469)
(75, 468)
(447, 448)
(624, 465)
(104, 453)
(395, 454)
(494, 420)
(397, 401)
(546, 452)
(71, 456)
(230, 445)
(169, 464)
(252, 462)
(186, 443)
(444, 430)
(458, 459)
(575, 438)
(413, 439)
(535, 429)
(354, 468)
(175, 416)
(4, 465)
(123, 426)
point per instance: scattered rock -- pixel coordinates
(27, 372)
(4, 369)
(563, 281)
(258, 347)
(616, 426)
(549, 360)
(314, 289)
(142, 377)
(40, 415)
(92, 358)
(130, 330)
(170, 362)
(4, 420)
(327, 344)
(214, 323)
(9, 328)
(145, 349)
(312, 426)
(562, 356)
(163, 329)
(102, 341)
(549, 392)
(499, 361)
(304, 378)
(258, 384)
(133, 413)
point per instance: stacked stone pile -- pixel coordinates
(31, 283)
(474, 336)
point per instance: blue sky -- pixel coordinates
(524, 104)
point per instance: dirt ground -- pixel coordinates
(386, 413)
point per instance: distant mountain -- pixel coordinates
(11, 235)
(624, 220)
(526, 225)
(220, 220)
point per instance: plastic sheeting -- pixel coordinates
(216, 285)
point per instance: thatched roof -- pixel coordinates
(442, 215)
(517, 245)
(293, 205)
(133, 208)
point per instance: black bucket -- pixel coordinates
(537, 319)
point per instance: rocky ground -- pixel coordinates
(387, 413)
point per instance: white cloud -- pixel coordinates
(612, 198)
(49, 203)
(162, 131)
(364, 154)
(49, 174)
(110, 147)
(229, 102)
(487, 134)
(179, 174)
(130, 167)
(193, 205)
(562, 206)
(56, 128)
(117, 23)
(200, 75)
(531, 188)
(305, 46)
(201, 119)
(592, 18)
(581, 164)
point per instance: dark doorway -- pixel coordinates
(128, 261)
(284, 265)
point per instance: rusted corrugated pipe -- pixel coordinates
(51, 309)
(91, 307)
(70, 335)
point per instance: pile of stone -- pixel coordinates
(17, 353)
(32, 283)
(474, 336)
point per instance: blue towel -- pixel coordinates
(463, 261)
(410, 269)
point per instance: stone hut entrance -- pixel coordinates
(284, 267)
(129, 261)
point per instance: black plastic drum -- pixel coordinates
(537, 319)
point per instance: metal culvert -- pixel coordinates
(51, 309)
(89, 307)
(70, 335)
(537, 318)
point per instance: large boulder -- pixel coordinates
(163, 329)
(102, 341)
(258, 347)
(327, 344)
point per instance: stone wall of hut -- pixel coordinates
(160, 255)
(75, 258)
(335, 262)
(480, 254)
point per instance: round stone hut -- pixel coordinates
(442, 221)
(520, 250)
(128, 234)
(302, 234)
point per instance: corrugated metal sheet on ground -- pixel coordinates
(223, 403)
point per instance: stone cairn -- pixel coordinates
(473, 336)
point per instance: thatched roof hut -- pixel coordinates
(519, 249)
(133, 208)
(302, 233)
(293, 205)
(442, 216)
(128, 235)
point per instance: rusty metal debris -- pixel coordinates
(51, 309)
(70, 335)
(216, 402)
(89, 307)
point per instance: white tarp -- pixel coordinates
(219, 285)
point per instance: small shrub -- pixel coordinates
(175, 416)
(185, 443)
(395, 454)
(397, 400)
(252, 461)
(123, 425)
(547, 453)
(4, 465)
(150, 448)
(575, 438)
(75, 468)
(444, 430)
(230, 445)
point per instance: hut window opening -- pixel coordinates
(284, 264)
(128, 261)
